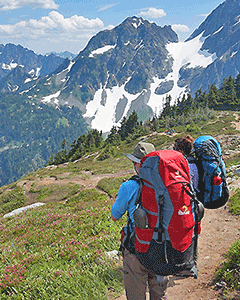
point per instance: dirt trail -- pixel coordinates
(219, 231)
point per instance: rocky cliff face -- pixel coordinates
(220, 33)
(119, 71)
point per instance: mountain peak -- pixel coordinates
(134, 21)
(225, 15)
(219, 34)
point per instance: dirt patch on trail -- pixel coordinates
(86, 180)
(219, 231)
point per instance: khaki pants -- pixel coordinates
(137, 277)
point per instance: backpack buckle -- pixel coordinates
(159, 230)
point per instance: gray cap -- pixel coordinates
(140, 151)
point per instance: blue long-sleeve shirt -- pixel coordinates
(125, 200)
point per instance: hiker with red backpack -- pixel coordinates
(136, 276)
(164, 214)
(161, 235)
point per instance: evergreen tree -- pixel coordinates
(154, 123)
(201, 98)
(167, 107)
(123, 129)
(231, 95)
(237, 87)
(113, 137)
(213, 96)
(64, 144)
(132, 123)
(228, 95)
(94, 139)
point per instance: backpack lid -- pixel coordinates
(197, 144)
(172, 166)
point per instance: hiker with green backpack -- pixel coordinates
(136, 276)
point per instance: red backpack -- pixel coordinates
(166, 222)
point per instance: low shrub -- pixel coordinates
(12, 199)
(235, 204)
(229, 272)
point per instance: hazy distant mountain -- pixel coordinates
(30, 132)
(30, 66)
(65, 54)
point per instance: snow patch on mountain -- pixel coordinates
(188, 54)
(104, 114)
(10, 66)
(238, 20)
(234, 53)
(70, 65)
(101, 50)
(52, 98)
(217, 31)
(137, 23)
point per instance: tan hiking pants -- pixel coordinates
(137, 278)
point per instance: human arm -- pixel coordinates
(120, 205)
(125, 200)
(114, 219)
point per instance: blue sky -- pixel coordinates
(59, 25)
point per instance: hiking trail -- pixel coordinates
(219, 231)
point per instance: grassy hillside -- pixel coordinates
(61, 249)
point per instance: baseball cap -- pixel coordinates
(140, 150)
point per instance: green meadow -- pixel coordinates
(60, 250)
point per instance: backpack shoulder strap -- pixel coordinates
(139, 195)
(135, 177)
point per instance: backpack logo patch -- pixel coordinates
(183, 211)
(177, 174)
